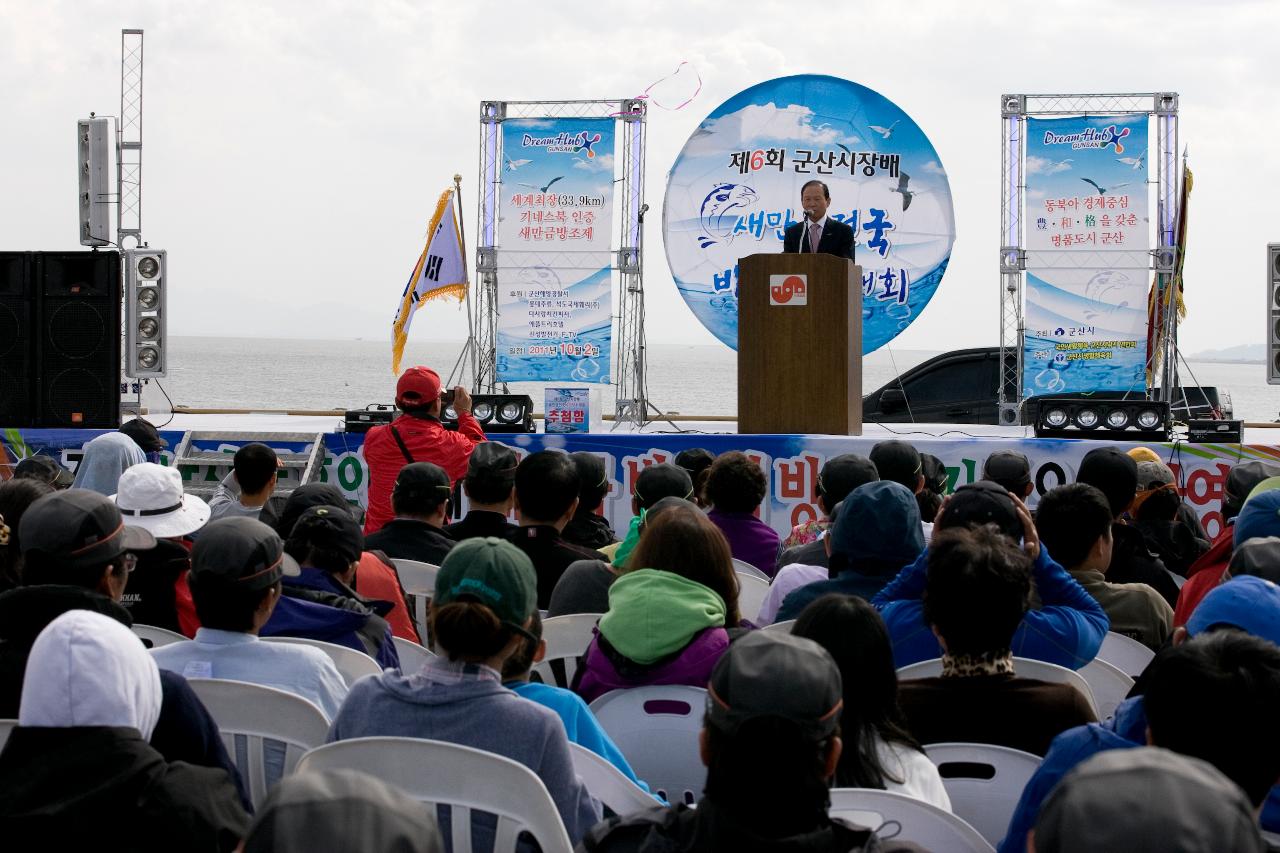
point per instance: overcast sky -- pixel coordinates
(293, 150)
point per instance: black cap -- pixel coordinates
(422, 479)
(1259, 557)
(983, 502)
(769, 674)
(144, 434)
(695, 460)
(492, 461)
(331, 529)
(304, 498)
(45, 469)
(842, 474)
(1113, 473)
(935, 473)
(663, 480)
(898, 461)
(1009, 468)
(242, 550)
(79, 528)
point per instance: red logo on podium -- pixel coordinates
(788, 290)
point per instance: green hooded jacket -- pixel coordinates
(653, 614)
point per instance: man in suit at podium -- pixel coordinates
(817, 232)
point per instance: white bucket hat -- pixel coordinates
(150, 496)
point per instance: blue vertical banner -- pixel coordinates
(1088, 238)
(553, 240)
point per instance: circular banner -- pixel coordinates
(735, 188)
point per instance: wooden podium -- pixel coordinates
(799, 345)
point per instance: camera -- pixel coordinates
(446, 397)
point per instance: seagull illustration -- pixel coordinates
(512, 165)
(543, 188)
(1134, 163)
(885, 132)
(1103, 190)
(901, 188)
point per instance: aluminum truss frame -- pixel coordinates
(1014, 110)
(129, 140)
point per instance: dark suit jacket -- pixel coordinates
(837, 239)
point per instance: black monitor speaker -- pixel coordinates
(16, 328)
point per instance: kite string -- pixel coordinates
(644, 96)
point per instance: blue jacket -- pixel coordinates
(1068, 629)
(1127, 729)
(298, 617)
(848, 582)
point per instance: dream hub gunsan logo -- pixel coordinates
(1090, 137)
(563, 143)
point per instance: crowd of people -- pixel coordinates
(114, 749)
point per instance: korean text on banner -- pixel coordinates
(554, 260)
(1088, 236)
(440, 271)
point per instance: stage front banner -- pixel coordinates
(790, 463)
(555, 226)
(1088, 235)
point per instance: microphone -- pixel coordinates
(808, 216)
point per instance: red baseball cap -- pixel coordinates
(418, 386)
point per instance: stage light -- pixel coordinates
(509, 412)
(1100, 419)
(483, 411)
(1087, 418)
(450, 413)
(146, 282)
(1117, 419)
(497, 413)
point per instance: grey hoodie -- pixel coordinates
(466, 704)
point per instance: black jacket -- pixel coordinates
(837, 239)
(184, 732)
(588, 530)
(550, 554)
(480, 522)
(1133, 562)
(102, 788)
(149, 597)
(709, 830)
(408, 539)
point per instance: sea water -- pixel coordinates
(267, 373)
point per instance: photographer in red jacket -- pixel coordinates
(417, 436)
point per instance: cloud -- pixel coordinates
(1047, 166)
(599, 163)
(758, 123)
(933, 167)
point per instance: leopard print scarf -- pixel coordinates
(968, 666)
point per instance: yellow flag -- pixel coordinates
(440, 271)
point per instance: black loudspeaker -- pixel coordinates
(78, 351)
(16, 330)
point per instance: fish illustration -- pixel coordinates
(717, 213)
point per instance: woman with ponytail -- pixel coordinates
(481, 610)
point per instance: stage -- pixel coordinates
(790, 462)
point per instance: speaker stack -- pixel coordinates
(60, 339)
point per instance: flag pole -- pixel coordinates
(470, 346)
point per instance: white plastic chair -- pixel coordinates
(353, 665)
(607, 783)
(1109, 685)
(1125, 653)
(412, 656)
(984, 782)
(656, 727)
(157, 636)
(742, 567)
(567, 638)
(920, 822)
(460, 777)
(1023, 667)
(419, 582)
(260, 715)
(752, 591)
(6, 726)
(781, 627)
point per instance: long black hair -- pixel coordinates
(853, 632)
